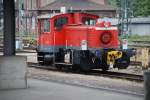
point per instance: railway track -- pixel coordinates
(139, 44)
(109, 74)
(119, 75)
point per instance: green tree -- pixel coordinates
(114, 2)
(138, 7)
(141, 8)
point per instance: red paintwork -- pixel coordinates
(75, 31)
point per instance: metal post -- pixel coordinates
(9, 27)
(21, 24)
(124, 22)
(147, 85)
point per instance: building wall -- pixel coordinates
(35, 4)
(31, 7)
(45, 2)
(140, 29)
(104, 2)
(27, 23)
(30, 4)
(1, 16)
(110, 14)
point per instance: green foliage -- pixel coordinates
(32, 41)
(141, 8)
(138, 7)
(114, 2)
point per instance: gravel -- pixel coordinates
(87, 80)
(96, 82)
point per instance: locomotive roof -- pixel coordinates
(78, 5)
(47, 16)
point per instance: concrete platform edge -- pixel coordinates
(13, 72)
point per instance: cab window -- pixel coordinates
(44, 25)
(88, 21)
(60, 22)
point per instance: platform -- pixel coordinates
(47, 90)
(13, 72)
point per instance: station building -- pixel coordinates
(33, 8)
(98, 7)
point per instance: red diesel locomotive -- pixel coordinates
(79, 41)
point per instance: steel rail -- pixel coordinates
(109, 74)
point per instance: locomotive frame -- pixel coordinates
(77, 40)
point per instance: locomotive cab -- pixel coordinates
(50, 27)
(52, 37)
(78, 41)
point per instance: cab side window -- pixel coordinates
(44, 25)
(88, 21)
(60, 22)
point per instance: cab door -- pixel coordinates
(59, 32)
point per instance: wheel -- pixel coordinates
(123, 63)
(48, 61)
(41, 63)
(59, 67)
(45, 58)
(76, 68)
(85, 65)
(104, 66)
(104, 69)
(40, 58)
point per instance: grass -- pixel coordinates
(139, 38)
